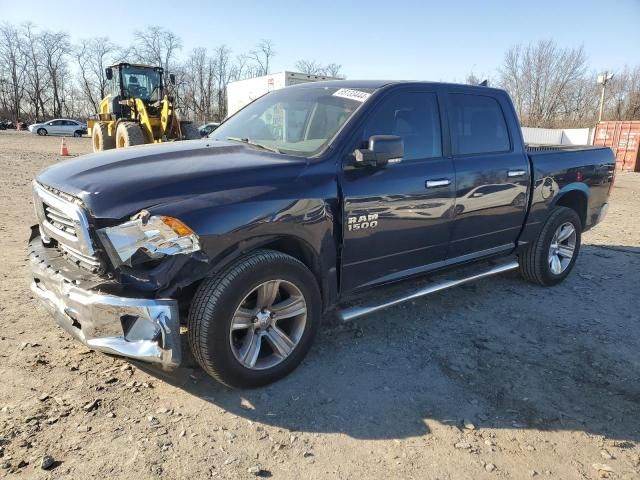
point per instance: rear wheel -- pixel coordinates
(189, 132)
(254, 322)
(100, 137)
(42, 132)
(129, 134)
(551, 257)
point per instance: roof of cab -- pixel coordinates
(376, 84)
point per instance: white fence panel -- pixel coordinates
(542, 136)
(557, 136)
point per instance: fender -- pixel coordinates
(572, 187)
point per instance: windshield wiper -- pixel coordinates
(254, 144)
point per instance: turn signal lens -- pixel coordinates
(177, 226)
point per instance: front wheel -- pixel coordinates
(551, 257)
(42, 132)
(100, 137)
(253, 323)
(129, 134)
(77, 134)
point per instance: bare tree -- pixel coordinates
(224, 73)
(92, 57)
(539, 78)
(472, 79)
(35, 72)
(261, 57)
(622, 100)
(55, 48)
(197, 80)
(156, 45)
(13, 68)
(311, 67)
(239, 68)
(334, 70)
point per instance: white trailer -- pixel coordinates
(243, 92)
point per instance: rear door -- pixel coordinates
(492, 175)
(397, 220)
(70, 127)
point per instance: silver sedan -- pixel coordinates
(59, 126)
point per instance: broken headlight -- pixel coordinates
(147, 238)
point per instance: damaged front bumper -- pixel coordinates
(145, 329)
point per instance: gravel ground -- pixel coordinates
(497, 379)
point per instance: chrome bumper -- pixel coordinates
(139, 328)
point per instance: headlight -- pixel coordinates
(146, 238)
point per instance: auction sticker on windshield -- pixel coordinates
(351, 94)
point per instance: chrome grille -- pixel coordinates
(62, 219)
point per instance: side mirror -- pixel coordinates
(383, 149)
(172, 79)
(109, 73)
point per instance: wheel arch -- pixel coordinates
(575, 196)
(291, 245)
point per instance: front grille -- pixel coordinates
(85, 261)
(62, 219)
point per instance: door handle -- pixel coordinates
(439, 182)
(516, 173)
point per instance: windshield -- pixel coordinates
(300, 121)
(139, 82)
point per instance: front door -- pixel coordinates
(55, 127)
(492, 177)
(397, 220)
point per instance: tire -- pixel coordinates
(42, 132)
(189, 132)
(129, 134)
(100, 137)
(77, 134)
(218, 299)
(536, 264)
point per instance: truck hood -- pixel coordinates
(120, 182)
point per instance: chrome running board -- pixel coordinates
(350, 313)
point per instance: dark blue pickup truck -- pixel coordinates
(308, 195)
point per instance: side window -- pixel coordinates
(477, 125)
(414, 116)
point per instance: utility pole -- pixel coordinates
(603, 79)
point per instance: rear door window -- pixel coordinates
(477, 125)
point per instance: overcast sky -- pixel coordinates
(426, 40)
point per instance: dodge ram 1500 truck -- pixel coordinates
(308, 194)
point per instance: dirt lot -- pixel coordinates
(549, 378)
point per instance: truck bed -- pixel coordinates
(533, 147)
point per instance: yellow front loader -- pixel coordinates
(137, 110)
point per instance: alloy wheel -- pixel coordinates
(562, 248)
(268, 324)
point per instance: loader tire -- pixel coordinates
(189, 132)
(101, 139)
(129, 134)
